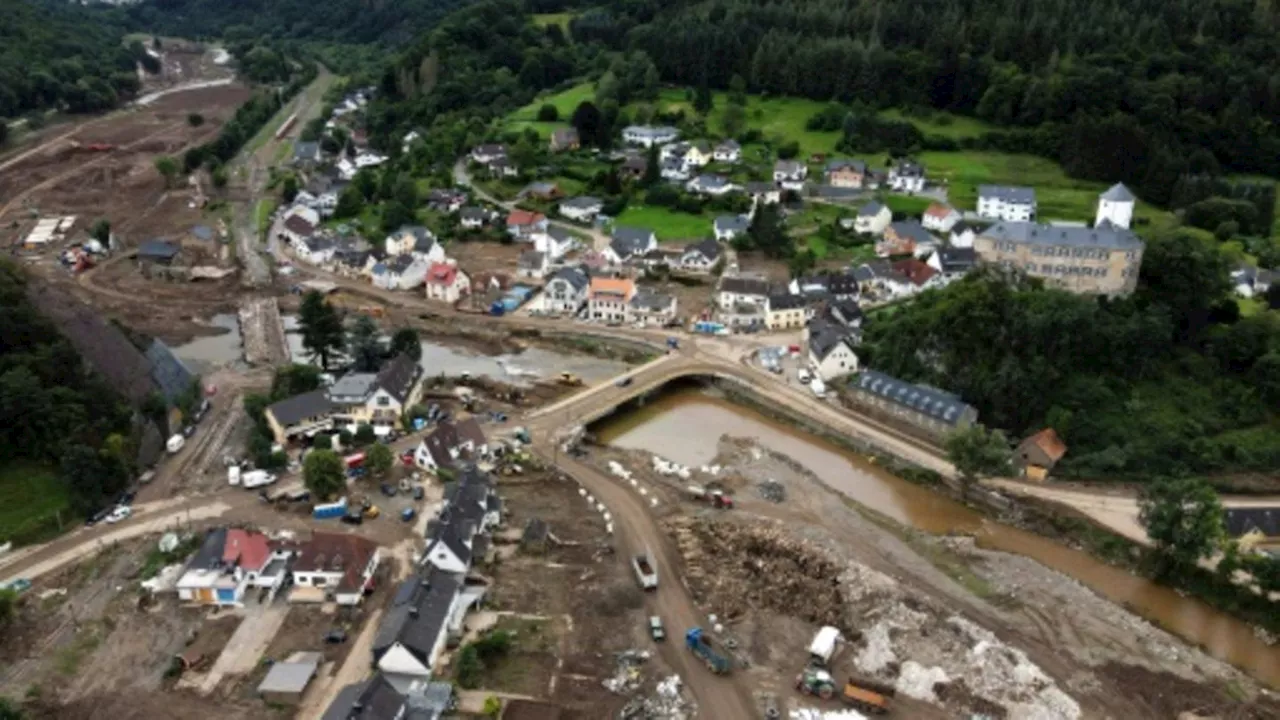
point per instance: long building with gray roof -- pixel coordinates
(1099, 261)
(932, 410)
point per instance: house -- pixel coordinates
(736, 289)
(648, 136)
(728, 151)
(450, 443)
(784, 311)
(903, 238)
(728, 227)
(414, 633)
(1254, 528)
(629, 242)
(826, 286)
(229, 563)
(953, 263)
(417, 241)
(906, 176)
(157, 252)
(522, 224)
(402, 272)
(376, 399)
(879, 280)
(408, 140)
(963, 234)
(378, 698)
(742, 315)
(697, 154)
(532, 264)
(446, 282)
(583, 209)
(790, 174)
(674, 170)
(565, 291)
(701, 257)
(1115, 206)
(665, 257)
(940, 217)
(763, 192)
(714, 185)
(473, 218)
(555, 243)
(1100, 260)
(286, 681)
(651, 308)
(1250, 281)
(306, 153)
(487, 154)
(830, 351)
(316, 250)
(334, 566)
(634, 167)
(446, 201)
(917, 272)
(545, 191)
(369, 159)
(1036, 455)
(300, 416)
(346, 169)
(872, 218)
(845, 313)
(349, 262)
(609, 299)
(563, 139)
(934, 411)
(845, 173)
(1004, 202)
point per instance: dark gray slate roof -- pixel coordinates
(649, 300)
(840, 163)
(709, 248)
(1025, 232)
(871, 209)
(759, 187)
(1118, 193)
(744, 285)
(373, 699)
(915, 231)
(628, 241)
(168, 372)
(824, 337)
(583, 202)
(786, 301)
(418, 623)
(298, 407)
(398, 376)
(929, 401)
(844, 311)
(732, 223)
(306, 151)
(573, 276)
(1241, 521)
(209, 556)
(1008, 193)
(157, 250)
(957, 260)
(474, 213)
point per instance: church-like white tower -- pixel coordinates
(1115, 206)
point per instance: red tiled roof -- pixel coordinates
(938, 210)
(441, 273)
(334, 552)
(524, 217)
(915, 270)
(1049, 442)
(249, 550)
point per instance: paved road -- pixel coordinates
(461, 176)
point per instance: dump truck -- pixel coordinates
(646, 573)
(817, 682)
(700, 645)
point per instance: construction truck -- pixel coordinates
(816, 682)
(568, 379)
(700, 645)
(713, 497)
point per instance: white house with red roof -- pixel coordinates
(228, 564)
(447, 282)
(940, 217)
(523, 224)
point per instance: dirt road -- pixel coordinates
(353, 670)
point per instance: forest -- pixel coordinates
(58, 415)
(59, 55)
(1169, 381)
(1134, 90)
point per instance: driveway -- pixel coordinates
(244, 649)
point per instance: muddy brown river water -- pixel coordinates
(686, 424)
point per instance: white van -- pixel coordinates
(175, 443)
(804, 376)
(233, 475)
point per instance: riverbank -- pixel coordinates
(924, 504)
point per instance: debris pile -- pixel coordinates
(667, 703)
(772, 490)
(815, 714)
(626, 676)
(769, 570)
(918, 681)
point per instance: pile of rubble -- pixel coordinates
(772, 490)
(627, 677)
(666, 703)
(770, 570)
(815, 714)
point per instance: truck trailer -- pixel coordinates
(646, 573)
(330, 510)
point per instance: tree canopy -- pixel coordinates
(1183, 518)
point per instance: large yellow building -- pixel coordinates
(1103, 260)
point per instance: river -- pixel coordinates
(686, 424)
(205, 354)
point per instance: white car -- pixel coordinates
(122, 512)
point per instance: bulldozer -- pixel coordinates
(568, 379)
(816, 682)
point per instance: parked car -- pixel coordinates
(624, 382)
(335, 636)
(353, 518)
(418, 492)
(656, 630)
(121, 512)
(97, 517)
(388, 489)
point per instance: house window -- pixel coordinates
(384, 401)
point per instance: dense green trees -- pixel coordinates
(1183, 518)
(63, 56)
(323, 336)
(1164, 383)
(323, 473)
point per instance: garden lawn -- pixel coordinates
(31, 497)
(667, 224)
(956, 127)
(566, 102)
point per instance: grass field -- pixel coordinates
(30, 497)
(956, 127)
(566, 102)
(902, 204)
(561, 19)
(667, 224)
